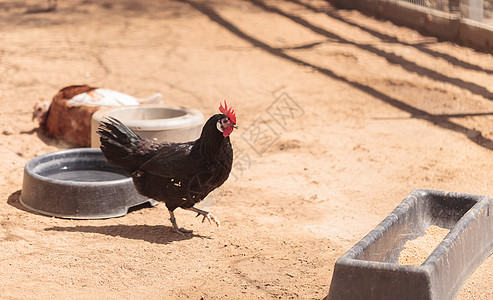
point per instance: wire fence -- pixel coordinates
(476, 10)
(467, 22)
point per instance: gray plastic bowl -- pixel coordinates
(158, 122)
(78, 184)
(370, 269)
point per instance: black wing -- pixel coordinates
(170, 161)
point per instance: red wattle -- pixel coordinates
(227, 131)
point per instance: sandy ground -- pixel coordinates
(376, 111)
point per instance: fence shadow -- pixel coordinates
(443, 122)
(390, 39)
(391, 58)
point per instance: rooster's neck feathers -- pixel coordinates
(211, 139)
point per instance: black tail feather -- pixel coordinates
(119, 143)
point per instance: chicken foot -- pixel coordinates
(175, 226)
(207, 215)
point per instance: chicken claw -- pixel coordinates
(207, 215)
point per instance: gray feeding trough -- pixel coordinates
(370, 269)
(78, 184)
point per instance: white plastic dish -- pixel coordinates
(158, 122)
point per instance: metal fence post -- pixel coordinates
(454, 6)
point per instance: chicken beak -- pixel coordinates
(235, 126)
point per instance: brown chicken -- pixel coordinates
(58, 120)
(69, 114)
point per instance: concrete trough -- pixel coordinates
(370, 269)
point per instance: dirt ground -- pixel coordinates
(340, 117)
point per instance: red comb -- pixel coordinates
(228, 111)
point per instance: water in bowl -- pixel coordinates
(86, 173)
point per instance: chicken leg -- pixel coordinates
(207, 215)
(175, 226)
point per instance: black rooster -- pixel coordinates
(180, 174)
